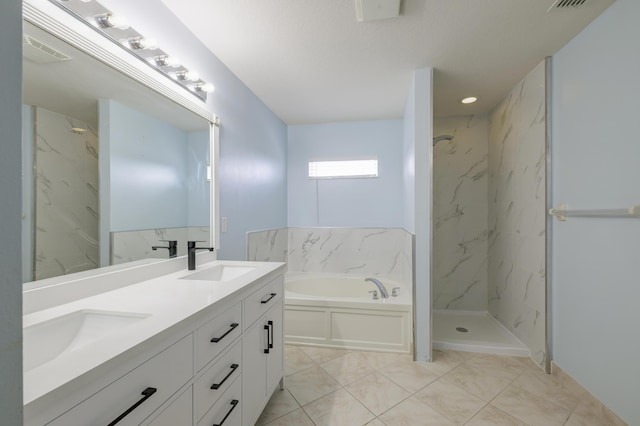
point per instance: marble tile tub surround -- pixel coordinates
(460, 209)
(128, 246)
(352, 388)
(383, 252)
(517, 212)
(270, 245)
(66, 201)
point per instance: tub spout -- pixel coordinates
(383, 290)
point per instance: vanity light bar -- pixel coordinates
(117, 29)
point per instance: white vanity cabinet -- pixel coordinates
(216, 379)
(133, 397)
(178, 412)
(263, 349)
(211, 368)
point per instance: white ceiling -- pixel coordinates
(310, 61)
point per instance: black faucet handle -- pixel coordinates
(171, 242)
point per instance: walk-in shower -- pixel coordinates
(461, 318)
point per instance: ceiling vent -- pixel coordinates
(38, 52)
(566, 4)
(374, 10)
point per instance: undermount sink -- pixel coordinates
(49, 339)
(219, 273)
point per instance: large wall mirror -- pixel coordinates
(111, 167)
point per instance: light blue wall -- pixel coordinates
(10, 212)
(253, 140)
(198, 188)
(346, 202)
(148, 171)
(595, 154)
(418, 158)
(253, 173)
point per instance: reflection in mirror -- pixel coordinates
(116, 167)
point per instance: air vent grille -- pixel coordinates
(562, 4)
(38, 52)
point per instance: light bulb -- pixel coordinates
(150, 43)
(137, 43)
(469, 100)
(164, 61)
(172, 61)
(192, 75)
(119, 22)
(109, 20)
(208, 87)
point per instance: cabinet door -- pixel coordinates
(254, 366)
(179, 412)
(276, 352)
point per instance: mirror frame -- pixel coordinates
(53, 19)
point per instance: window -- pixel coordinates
(367, 168)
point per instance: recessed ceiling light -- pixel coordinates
(469, 100)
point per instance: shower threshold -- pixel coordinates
(483, 333)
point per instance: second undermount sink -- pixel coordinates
(49, 339)
(219, 273)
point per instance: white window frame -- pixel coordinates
(343, 168)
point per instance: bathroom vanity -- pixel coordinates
(154, 344)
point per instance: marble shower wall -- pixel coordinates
(460, 210)
(385, 252)
(66, 201)
(128, 246)
(517, 212)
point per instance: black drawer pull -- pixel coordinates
(217, 385)
(266, 327)
(234, 403)
(231, 327)
(272, 295)
(146, 395)
(270, 323)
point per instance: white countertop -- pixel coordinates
(168, 300)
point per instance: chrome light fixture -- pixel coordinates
(116, 28)
(109, 20)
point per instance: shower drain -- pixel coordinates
(461, 329)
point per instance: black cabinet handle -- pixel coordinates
(266, 327)
(231, 327)
(217, 385)
(270, 323)
(146, 394)
(234, 403)
(271, 296)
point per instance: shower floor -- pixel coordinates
(484, 333)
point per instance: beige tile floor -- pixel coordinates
(352, 388)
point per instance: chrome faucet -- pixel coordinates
(191, 253)
(383, 290)
(173, 248)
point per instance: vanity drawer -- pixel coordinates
(262, 300)
(227, 410)
(179, 412)
(216, 335)
(221, 374)
(144, 389)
